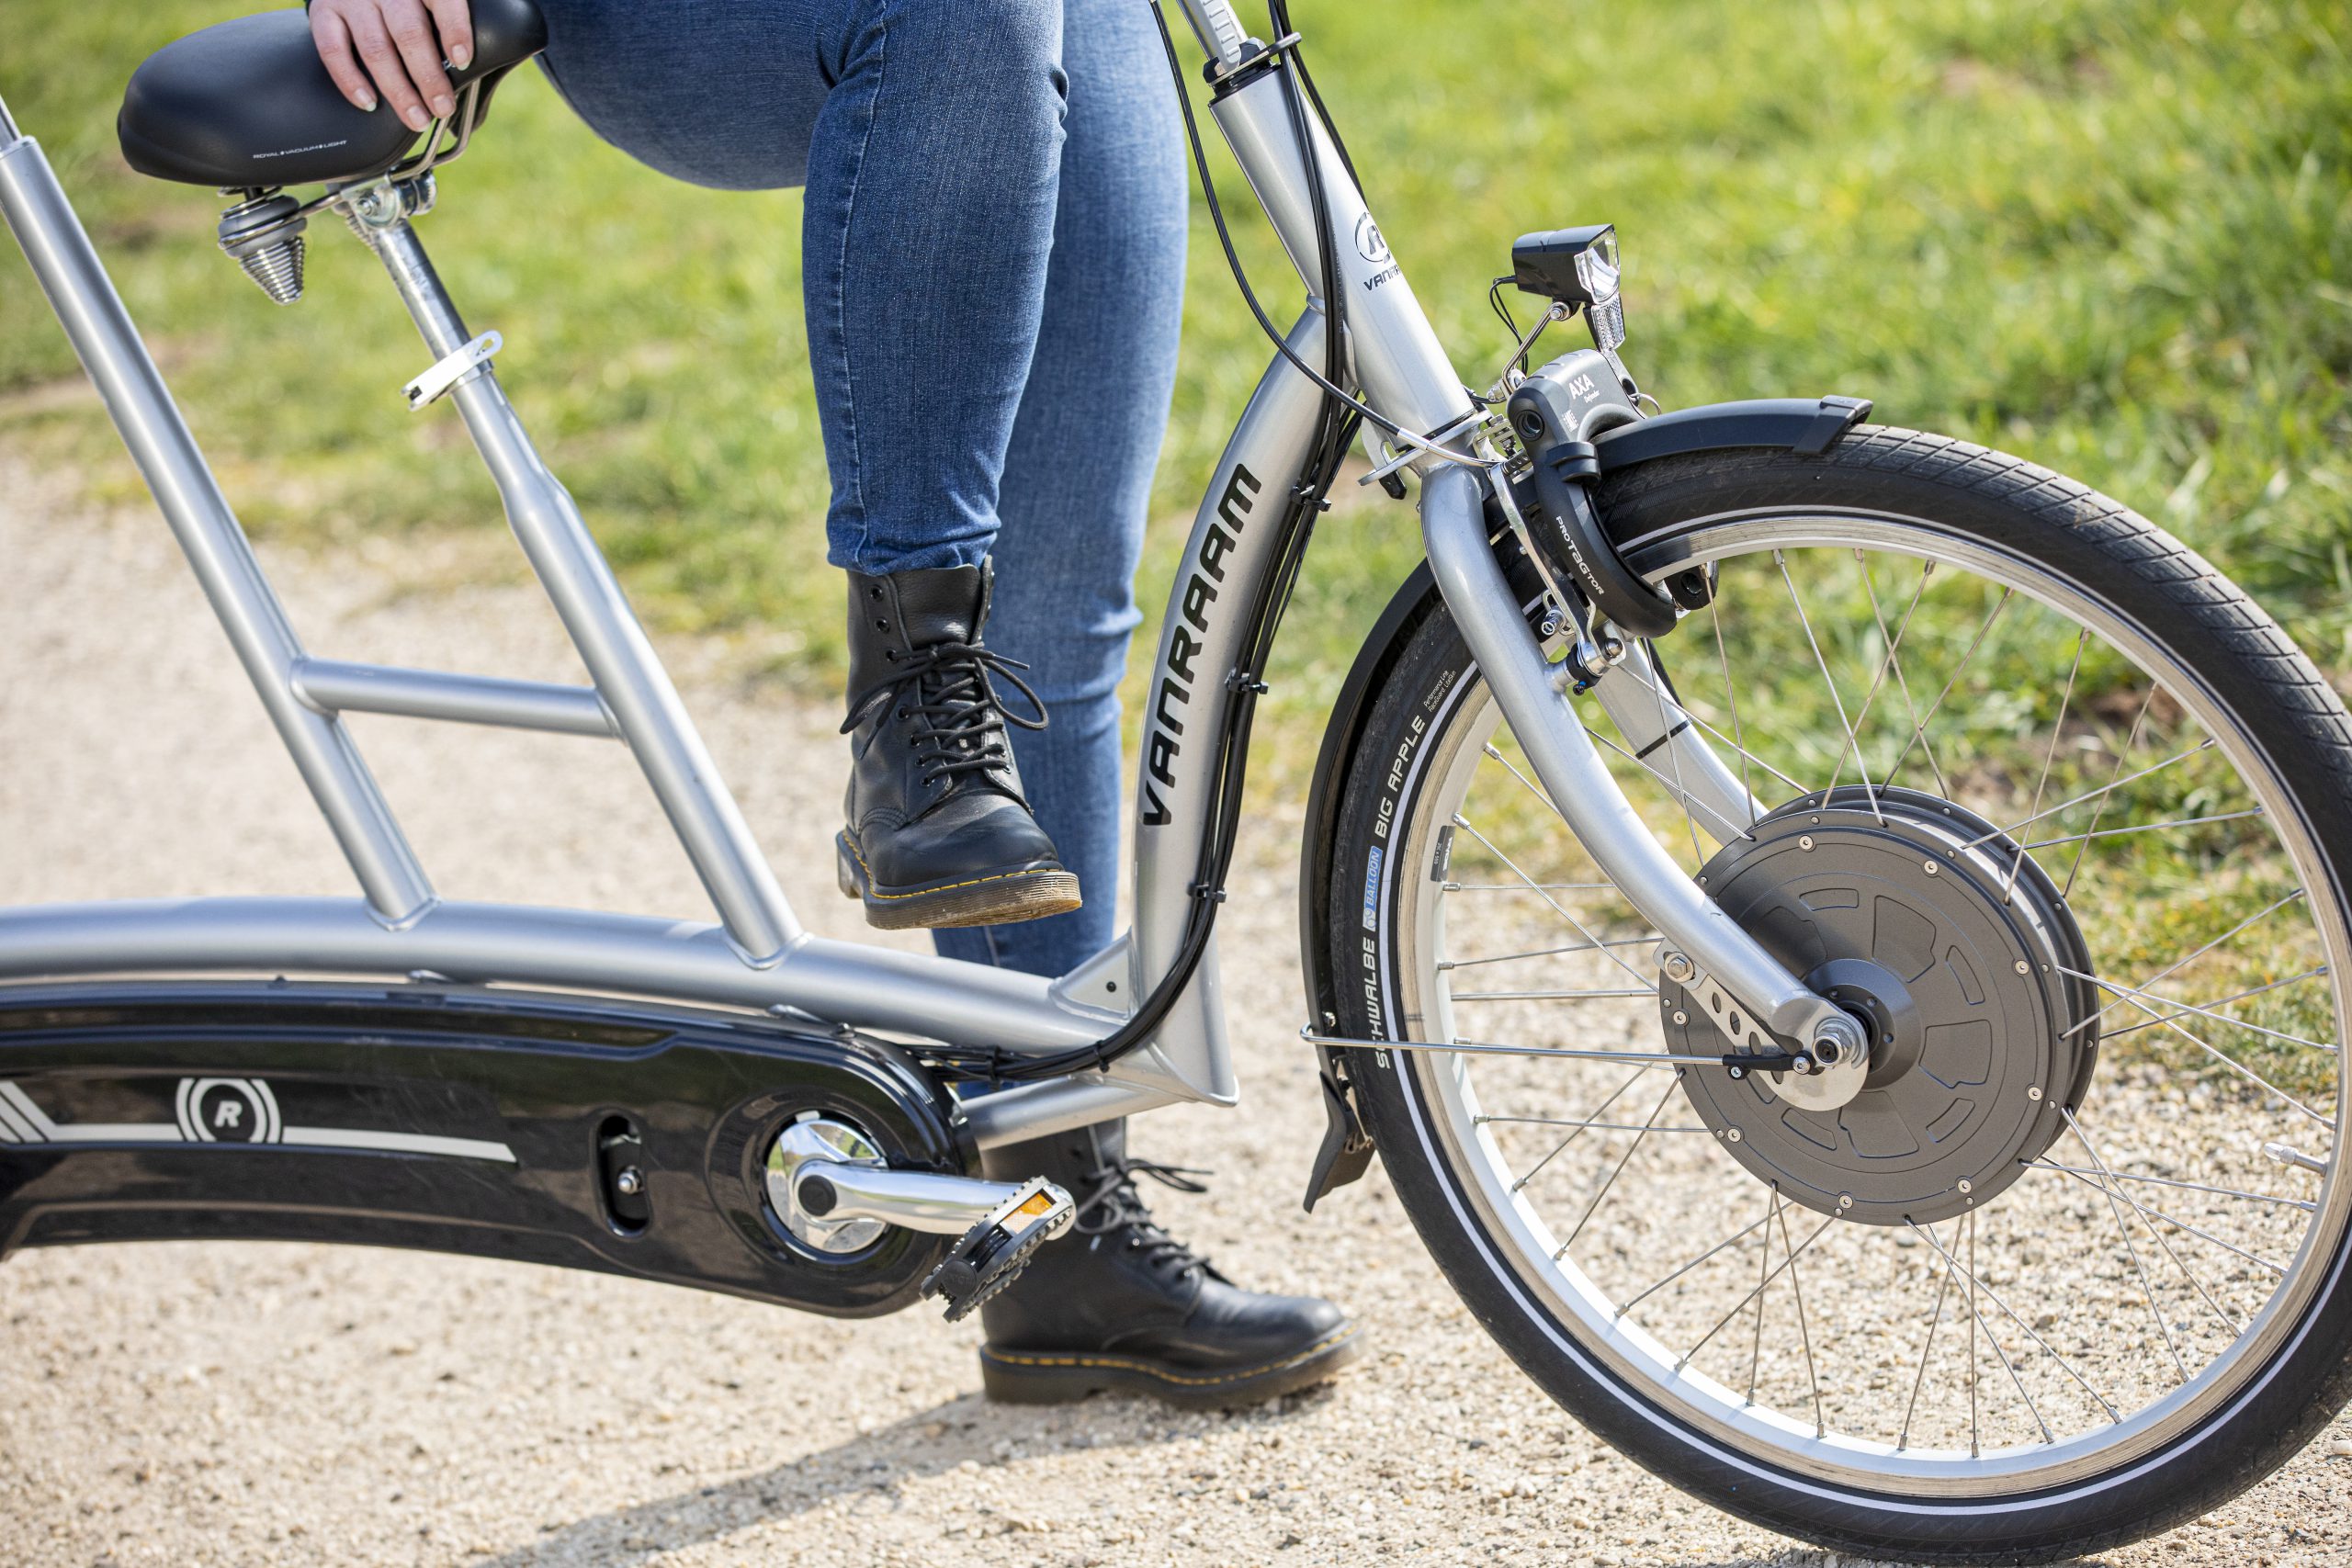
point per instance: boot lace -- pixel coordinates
(1112, 1203)
(950, 688)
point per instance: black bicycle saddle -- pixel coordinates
(247, 104)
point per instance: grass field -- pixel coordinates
(2112, 235)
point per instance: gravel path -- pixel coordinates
(193, 1404)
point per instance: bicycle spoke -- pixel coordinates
(1732, 1240)
(1878, 680)
(1714, 616)
(1482, 1120)
(1804, 1329)
(1552, 996)
(1836, 701)
(1555, 1149)
(1919, 730)
(1651, 1121)
(2180, 963)
(1769, 1275)
(2046, 1163)
(2131, 741)
(1745, 756)
(2221, 1055)
(2202, 746)
(1463, 823)
(2142, 828)
(2057, 733)
(2114, 1189)
(1935, 1321)
(1673, 752)
(2154, 1213)
(2147, 1286)
(1976, 1322)
(2024, 1327)
(1909, 704)
(1648, 939)
(2225, 1001)
(2188, 1008)
(1764, 1277)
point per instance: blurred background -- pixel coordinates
(2114, 236)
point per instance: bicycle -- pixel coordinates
(1876, 1010)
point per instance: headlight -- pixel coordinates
(1579, 268)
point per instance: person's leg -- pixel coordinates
(1120, 1304)
(1076, 485)
(928, 133)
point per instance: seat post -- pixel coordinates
(627, 674)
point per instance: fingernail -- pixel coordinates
(443, 103)
(368, 102)
(461, 56)
(416, 119)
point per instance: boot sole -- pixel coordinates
(999, 898)
(1016, 1377)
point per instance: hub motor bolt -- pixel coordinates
(1834, 1037)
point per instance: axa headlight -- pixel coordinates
(1579, 268)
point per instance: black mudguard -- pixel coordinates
(1810, 426)
(457, 1120)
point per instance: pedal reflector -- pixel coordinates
(992, 1253)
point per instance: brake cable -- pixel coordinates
(1337, 420)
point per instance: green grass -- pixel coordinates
(2113, 236)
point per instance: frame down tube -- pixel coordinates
(1236, 543)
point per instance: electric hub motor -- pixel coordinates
(1951, 946)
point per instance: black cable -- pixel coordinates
(1232, 258)
(1336, 423)
(1279, 13)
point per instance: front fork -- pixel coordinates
(1705, 943)
(1405, 375)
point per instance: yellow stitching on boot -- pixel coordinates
(1123, 1364)
(950, 887)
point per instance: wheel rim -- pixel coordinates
(2130, 1286)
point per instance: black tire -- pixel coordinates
(2281, 703)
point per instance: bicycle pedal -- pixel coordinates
(992, 1253)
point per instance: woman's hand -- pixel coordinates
(402, 44)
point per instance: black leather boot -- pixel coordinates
(1118, 1306)
(938, 833)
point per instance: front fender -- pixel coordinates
(1807, 425)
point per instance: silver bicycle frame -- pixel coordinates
(757, 955)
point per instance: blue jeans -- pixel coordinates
(993, 255)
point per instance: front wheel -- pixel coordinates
(2063, 815)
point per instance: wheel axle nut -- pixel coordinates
(1677, 967)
